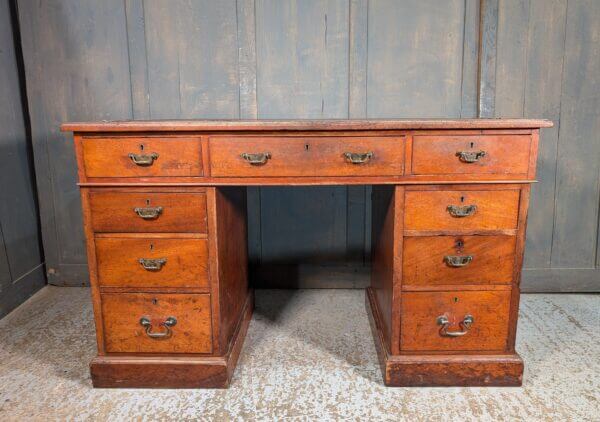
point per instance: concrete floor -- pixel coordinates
(309, 355)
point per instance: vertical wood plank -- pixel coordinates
(487, 57)
(470, 60)
(77, 68)
(138, 65)
(192, 59)
(511, 57)
(415, 58)
(577, 190)
(545, 53)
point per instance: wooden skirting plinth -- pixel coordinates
(441, 370)
(173, 372)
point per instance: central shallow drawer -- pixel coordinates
(154, 212)
(424, 313)
(447, 260)
(156, 323)
(458, 210)
(152, 262)
(142, 157)
(254, 156)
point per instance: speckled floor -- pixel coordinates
(308, 356)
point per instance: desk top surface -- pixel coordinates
(301, 125)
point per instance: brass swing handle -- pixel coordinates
(143, 160)
(358, 158)
(152, 264)
(470, 156)
(148, 213)
(458, 261)
(169, 322)
(461, 210)
(258, 159)
(465, 324)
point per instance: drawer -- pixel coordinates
(461, 210)
(254, 156)
(471, 154)
(142, 157)
(152, 262)
(429, 319)
(447, 260)
(148, 212)
(156, 323)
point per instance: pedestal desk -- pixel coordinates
(164, 207)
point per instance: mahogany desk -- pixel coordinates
(164, 206)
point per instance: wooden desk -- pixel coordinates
(164, 207)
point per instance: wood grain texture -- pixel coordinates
(114, 212)
(118, 262)
(423, 260)
(427, 210)
(306, 156)
(504, 154)
(124, 333)
(489, 331)
(109, 157)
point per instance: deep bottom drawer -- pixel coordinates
(157, 323)
(424, 316)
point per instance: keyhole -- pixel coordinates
(472, 144)
(154, 301)
(462, 199)
(147, 202)
(151, 246)
(460, 243)
(455, 300)
(141, 147)
(306, 147)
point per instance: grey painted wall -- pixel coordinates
(21, 267)
(324, 59)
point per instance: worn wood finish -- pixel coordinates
(21, 260)
(504, 154)
(123, 332)
(110, 157)
(115, 211)
(493, 260)
(306, 156)
(427, 210)
(420, 331)
(186, 262)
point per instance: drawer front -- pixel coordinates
(151, 262)
(142, 157)
(124, 212)
(173, 323)
(456, 210)
(432, 321)
(447, 260)
(306, 156)
(471, 154)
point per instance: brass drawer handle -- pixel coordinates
(461, 210)
(257, 159)
(148, 213)
(358, 158)
(458, 261)
(152, 264)
(465, 324)
(169, 322)
(470, 156)
(143, 160)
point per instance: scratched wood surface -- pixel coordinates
(248, 59)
